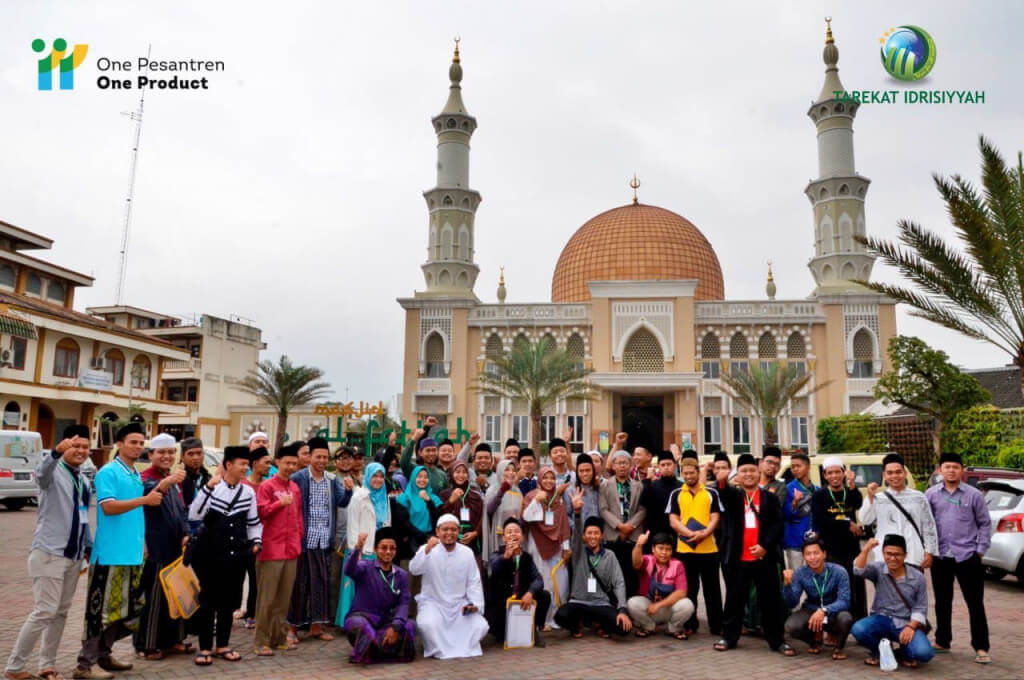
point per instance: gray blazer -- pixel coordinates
(611, 513)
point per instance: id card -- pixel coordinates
(591, 584)
(464, 514)
(83, 514)
(749, 519)
(549, 518)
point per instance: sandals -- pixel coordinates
(228, 655)
(203, 659)
(722, 646)
(982, 657)
(814, 650)
(182, 648)
(20, 675)
(682, 635)
(292, 640)
(602, 633)
(50, 674)
(786, 649)
(264, 650)
(838, 655)
(911, 663)
(250, 624)
(641, 633)
(579, 632)
(326, 637)
(871, 661)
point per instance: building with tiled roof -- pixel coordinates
(638, 295)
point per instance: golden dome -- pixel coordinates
(636, 242)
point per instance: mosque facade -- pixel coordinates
(657, 337)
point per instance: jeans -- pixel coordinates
(870, 631)
(970, 574)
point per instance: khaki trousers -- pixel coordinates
(675, 616)
(54, 580)
(274, 581)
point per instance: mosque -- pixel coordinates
(656, 337)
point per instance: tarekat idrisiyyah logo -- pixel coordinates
(59, 60)
(908, 52)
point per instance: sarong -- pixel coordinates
(115, 594)
(157, 630)
(310, 599)
(366, 634)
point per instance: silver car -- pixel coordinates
(19, 455)
(1005, 501)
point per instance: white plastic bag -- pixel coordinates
(887, 660)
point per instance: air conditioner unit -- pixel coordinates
(5, 356)
(98, 363)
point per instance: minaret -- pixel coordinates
(449, 270)
(838, 193)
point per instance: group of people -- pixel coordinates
(612, 543)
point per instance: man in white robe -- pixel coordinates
(451, 601)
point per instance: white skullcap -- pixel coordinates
(254, 435)
(833, 461)
(445, 519)
(163, 441)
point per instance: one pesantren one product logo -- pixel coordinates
(59, 60)
(908, 52)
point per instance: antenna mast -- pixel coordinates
(137, 117)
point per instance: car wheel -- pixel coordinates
(15, 504)
(994, 573)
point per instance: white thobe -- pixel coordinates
(451, 581)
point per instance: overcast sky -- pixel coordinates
(290, 192)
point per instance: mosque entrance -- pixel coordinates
(642, 420)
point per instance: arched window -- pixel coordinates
(435, 356)
(7, 277)
(766, 347)
(521, 340)
(495, 350)
(34, 284)
(142, 369)
(12, 415)
(738, 348)
(115, 366)
(863, 354)
(55, 292)
(710, 348)
(65, 359)
(550, 343)
(643, 353)
(575, 348)
(795, 346)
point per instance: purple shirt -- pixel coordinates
(382, 597)
(961, 520)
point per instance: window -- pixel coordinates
(492, 432)
(115, 366)
(435, 356)
(576, 443)
(741, 434)
(55, 292)
(766, 347)
(799, 439)
(494, 350)
(19, 347)
(796, 348)
(175, 392)
(643, 354)
(709, 347)
(575, 349)
(193, 392)
(34, 284)
(521, 428)
(766, 366)
(141, 371)
(548, 428)
(550, 344)
(712, 434)
(737, 367)
(801, 367)
(711, 369)
(738, 346)
(7, 277)
(863, 354)
(65, 359)
(194, 350)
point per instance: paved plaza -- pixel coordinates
(656, 657)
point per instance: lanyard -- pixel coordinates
(750, 499)
(821, 588)
(835, 502)
(804, 488)
(593, 562)
(390, 584)
(949, 498)
(76, 480)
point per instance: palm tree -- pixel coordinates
(538, 374)
(766, 391)
(978, 291)
(284, 386)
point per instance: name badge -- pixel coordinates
(549, 518)
(749, 519)
(464, 514)
(824, 620)
(83, 514)
(591, 584)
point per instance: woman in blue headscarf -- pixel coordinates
(423, 505)
(370, 509)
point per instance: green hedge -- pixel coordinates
(854, 433)
(980, 434)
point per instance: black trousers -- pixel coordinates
(250, 600)
(573, 615)
(763, 575)
(970, 574)
(220, 594)
(623, 551)
(702, 569)
(838, 624)
(494, 612)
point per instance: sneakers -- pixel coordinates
(93, 673)
(109, 663)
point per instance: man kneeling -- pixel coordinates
(378, 624)
(827, 605)
(598, 590)
(514, 576)
(900, 606)
(662, 593)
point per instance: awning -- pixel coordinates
(12, 324)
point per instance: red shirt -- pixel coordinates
(674, 574)
(750, 537)
(282, 524)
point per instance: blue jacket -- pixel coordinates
(798, 521)
(339, 497)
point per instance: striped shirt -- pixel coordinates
(220, 497)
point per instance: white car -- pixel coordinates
(1005, 501)
(20, 453)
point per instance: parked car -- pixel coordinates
(20, 453)
(973, 475)
(1005, 501)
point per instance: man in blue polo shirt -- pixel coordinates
(115, 595)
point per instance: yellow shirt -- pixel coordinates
(693, 509)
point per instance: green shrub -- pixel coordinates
(853, 433)
(1011, 455)
(976, 434)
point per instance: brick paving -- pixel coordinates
(655, 657)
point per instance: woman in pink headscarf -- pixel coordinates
(547, 521)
